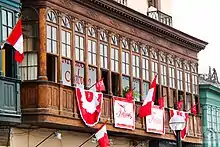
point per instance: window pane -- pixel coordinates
(123, 68)
(81, 42)
(79, 77)
(136, 85)
(68, 38)
(10, 18)
(63, 37)
(54, 32)
(4, 17)
(94, 47)
(54, 47)
(4, 33)
(63, 50)
(89, 58)
(48, 45)
(92, 78)
(68, 51)
(89, 45)
(125, 82)
(123, 56)
(94, 59)
(116, 54)
(48, 31)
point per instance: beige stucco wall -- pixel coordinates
(138, 5)
(30, 138)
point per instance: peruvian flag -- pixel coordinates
(100, 86)
(129, 95)
(145, 109)
(15, 40)
(173, 112)
(161, 102)
(90, 105)
(193, 109)
(180, 105)
(102, 137)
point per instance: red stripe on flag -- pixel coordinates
(19, 57)
(15, 34)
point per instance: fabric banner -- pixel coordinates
(66, 72)
(155, 121)
(90, 105)
(124, 113)
(174, 112)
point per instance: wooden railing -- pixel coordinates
(59, 104)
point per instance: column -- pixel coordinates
(42, 54)
(1, 72)
(86, 73)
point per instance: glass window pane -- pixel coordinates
(105, 50)
(48, 31)
(4, 33)
(63, 37)
(10, 18)
(101, 49)
(81, 42)
(48, 45)
(4, 17)
(68, 38)
(101, 61)
(63, 50)
(113, 53)
(94, 59)
(89, 45)
(89, 58)
(76, 41)
(77, 54)
(116, 54)
(54, 33)
(68, 51)
(106, 63)
(113, 65)
(123, 56)
(125, 82)
(81, 55)
(94, 46)
(54, 47)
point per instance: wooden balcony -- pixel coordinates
(9, 100)
(54, 105)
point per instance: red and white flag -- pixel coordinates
(173, 113)
(90, 105)
(145, 109)
(193, 109)
(100, 86)
(102, 137)
(15, 40)
(129, 95)
(180, 105)
(161, 102)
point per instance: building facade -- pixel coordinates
(94, 39)
(10, 112)
(210, 104)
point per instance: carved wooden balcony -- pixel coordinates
(161, 17)
(10, 100)
(55, 105)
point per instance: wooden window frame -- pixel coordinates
(9, 28)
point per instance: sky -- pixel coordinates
(200, 18)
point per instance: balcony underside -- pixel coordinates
(52, 105)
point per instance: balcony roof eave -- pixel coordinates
(124, 13)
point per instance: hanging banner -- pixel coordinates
(90, 105)
(155, 121)
(66, 72)
(124, 113)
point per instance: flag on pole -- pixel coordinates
(102, 136)
(145, 109)
(129, 95)
(193, 109)
(161, 102)
(15, 40)
(100, 86)
(180, 105)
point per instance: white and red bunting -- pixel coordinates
(185, 115)
(90, 105)
(124, 113)
(155, 121)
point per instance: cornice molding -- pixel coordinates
(144, 22)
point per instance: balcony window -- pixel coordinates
(125, 57)
(160, 16)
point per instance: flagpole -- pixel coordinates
(93, 134)
(191, 107)
(95, 83)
